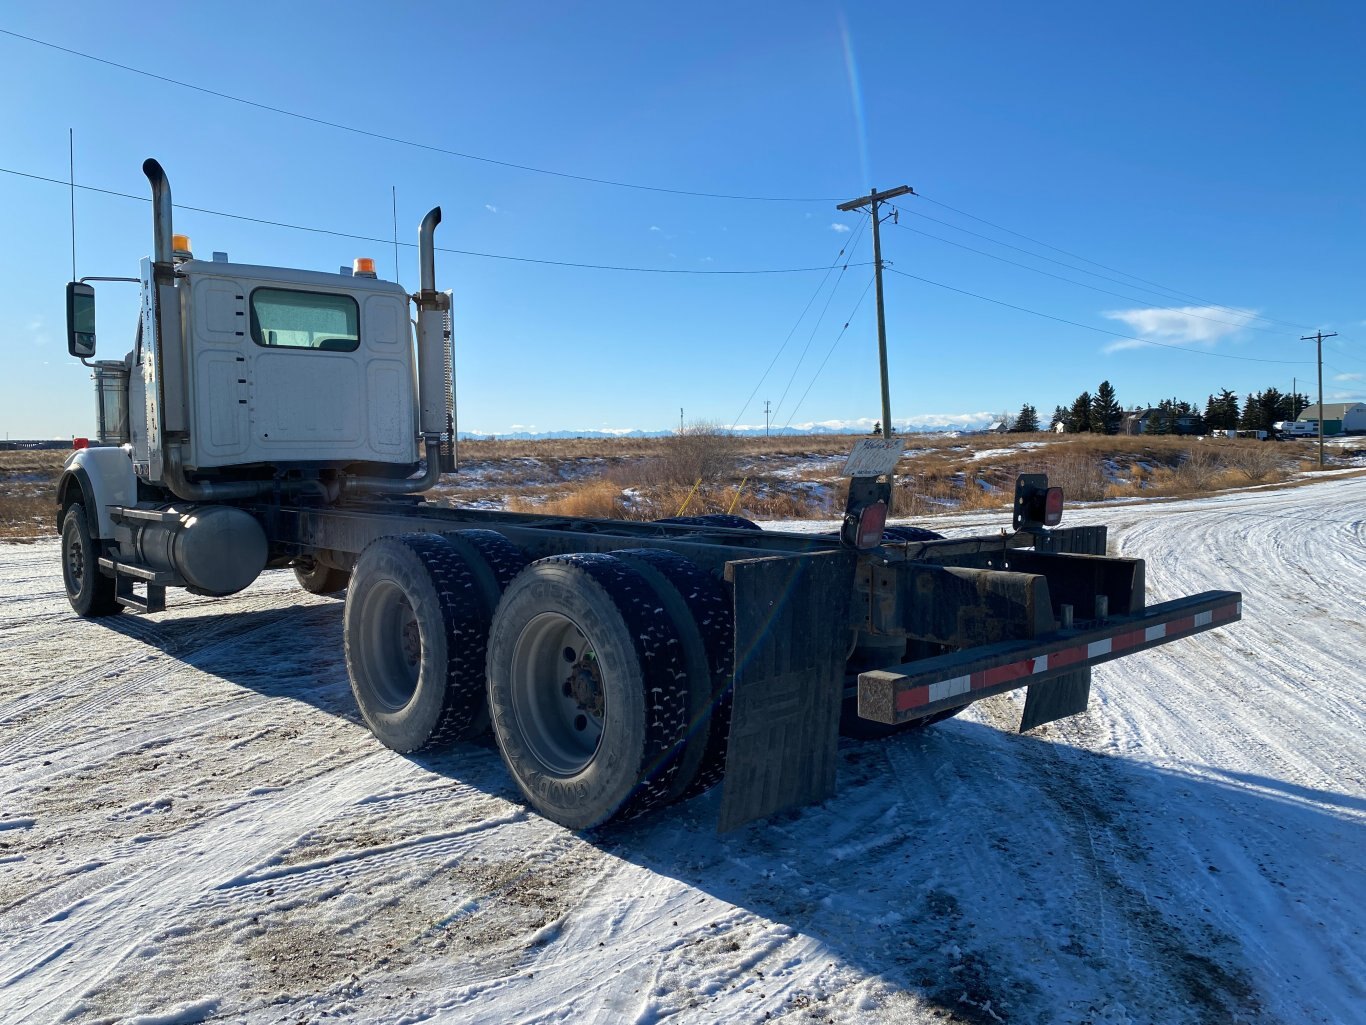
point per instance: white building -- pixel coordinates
(1352, 415)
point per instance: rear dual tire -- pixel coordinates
(606, 677)
(416, 625)
(584, 671)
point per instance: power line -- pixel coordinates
(397, 140)
(831, 351)
(1093, 263)
(411, 245)
(409, 142)
(848, 246)
(1094, 288)
(1172, 293)
(1090, 327)
(801, 357)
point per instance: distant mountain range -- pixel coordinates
(962, 423)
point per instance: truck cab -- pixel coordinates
(296, 367)
(248, 383)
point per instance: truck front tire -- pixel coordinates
(91, 593)
(584, 671)
(317, 577)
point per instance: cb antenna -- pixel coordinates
(393, 189)
(71, 171)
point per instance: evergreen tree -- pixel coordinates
(1079, 416)
(1027, 420)
(1291, 406)
(1106, 412)
(1270, 403)
(1160, 422)
(1222, 412)
(1227, 402)
(1251, 420)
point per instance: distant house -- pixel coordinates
(1059, 428)
(997, 427)
(1338, 417)
(1140, 420)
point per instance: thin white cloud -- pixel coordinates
(655, 227)
(707, 259)
(1200, 325)
(490, 208)
(37, 331)
(1349, 377)
(1120, 344)
(837, 226)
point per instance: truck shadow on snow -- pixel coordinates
(1014, 878)
(985, 875)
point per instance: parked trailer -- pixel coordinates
(269, 418)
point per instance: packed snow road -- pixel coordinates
(194, 826)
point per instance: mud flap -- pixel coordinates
(1056, 699)
(791, 639)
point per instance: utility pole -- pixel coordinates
(765, 418)
(680, 420)
(1318, 337)
(873, 200)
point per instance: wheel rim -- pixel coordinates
(558, 696)
(393, 647)
(74, 564)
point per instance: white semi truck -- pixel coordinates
(271, 418)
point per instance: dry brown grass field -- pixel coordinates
(704, 471)
(28, 496)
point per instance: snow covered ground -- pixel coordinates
(194, 826)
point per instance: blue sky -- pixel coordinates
(1212, 148)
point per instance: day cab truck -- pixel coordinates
(267, 418)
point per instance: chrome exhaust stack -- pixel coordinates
(162, 249)
(432, 306)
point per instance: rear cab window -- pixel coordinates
(290, 319)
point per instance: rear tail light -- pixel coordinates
(870, 525)
(1052, 507)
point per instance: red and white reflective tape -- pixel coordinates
(1080, 654)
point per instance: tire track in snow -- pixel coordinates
(95, 935)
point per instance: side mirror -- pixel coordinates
(80, 319)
